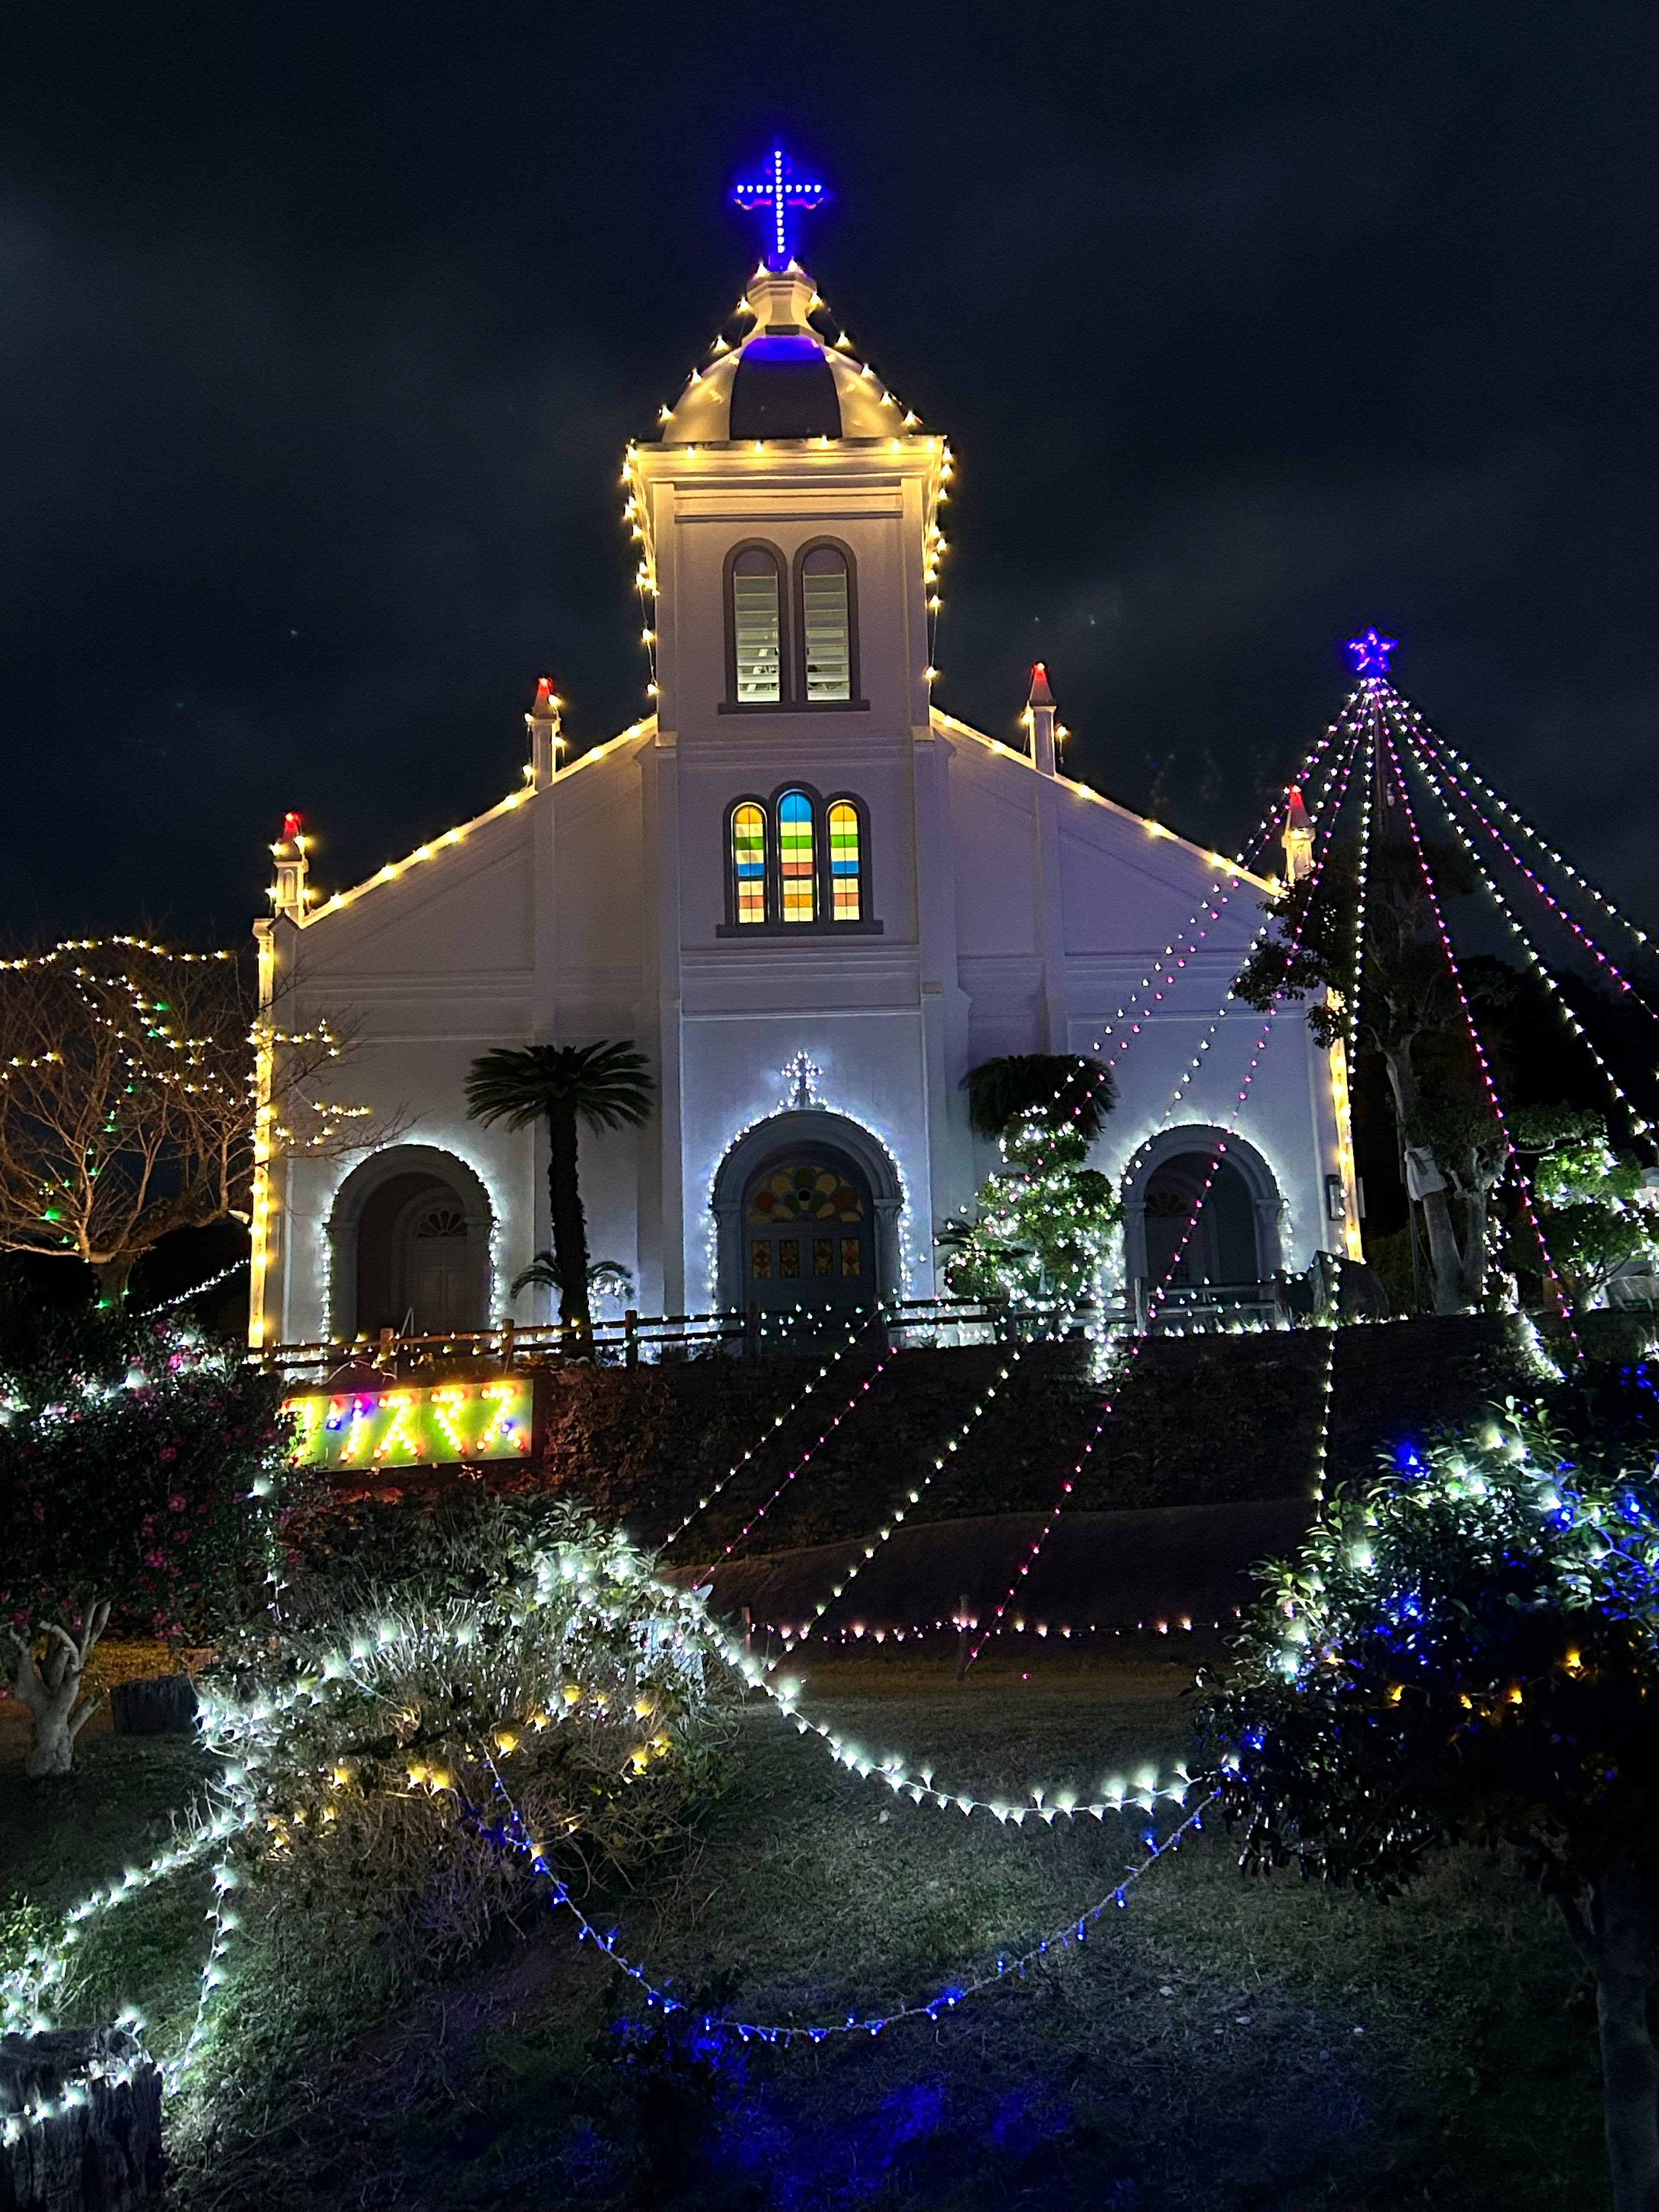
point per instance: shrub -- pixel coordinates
(141, 1476)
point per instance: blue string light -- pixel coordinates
(507, 1832)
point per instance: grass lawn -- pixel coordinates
(1219, 2045)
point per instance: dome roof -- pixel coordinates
(783, 379)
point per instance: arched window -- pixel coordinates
(797, 860)
(757, 615)
(748, 862)
(826, 627)
(846, 862)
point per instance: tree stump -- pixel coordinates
(153, 1704)
(100, 2148)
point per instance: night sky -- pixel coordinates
(322, 329)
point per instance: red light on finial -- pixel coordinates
(291, 825)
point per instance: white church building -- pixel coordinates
(813, 899)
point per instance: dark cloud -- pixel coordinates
(321, 331)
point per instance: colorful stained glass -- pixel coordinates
(797, 858)
(824, 1251)
(846, 877)
(851, 1256)
(825, 623)
(809, 1192)
(758, 634)
(748, 861)
(760, 1258)
(789, 1257)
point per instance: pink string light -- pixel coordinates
(1416, 732)
(1165, 1282)
(1564, 1306)
(1419, 759)
(1511, 814)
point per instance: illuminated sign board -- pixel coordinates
(366, 1430)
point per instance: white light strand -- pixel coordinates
(1564, 1306)
(1415, 732)
(513, 1834)
(1331, 812)
(1530, 952)
(1497, 799)
(860, 1322)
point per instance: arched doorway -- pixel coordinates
(809, 1232)
(1232, 1243)
(410, 1237)
(806, 1209)
(1221, 1247)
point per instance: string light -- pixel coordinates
(1422, 762)
(897, 1515)
(1563, 1305)
(1415, 734)
(1160, 1292)
(1536, 836)
(197, 1290)
(508, 1832)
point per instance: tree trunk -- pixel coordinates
(569, 1223)
(102, 2153)
(1444, 1258)
(113, 1276)
(1477, 1197)
(48, 1688)
(1616, 1940)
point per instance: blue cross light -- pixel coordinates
(1370, 653)
(779, 196)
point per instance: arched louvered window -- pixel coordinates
(846, 862)
(798, 860)
(757, 628)
(826, 627)
(748, 862)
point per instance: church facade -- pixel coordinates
(814, 901)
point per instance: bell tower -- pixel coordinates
(787, 514)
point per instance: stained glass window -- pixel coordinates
(749, 861)
(757, 628)
(845, 879)
(825, 626)
(797, 858)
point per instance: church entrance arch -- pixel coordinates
(1233, 1242)
(410, 1234)
(806, 1211)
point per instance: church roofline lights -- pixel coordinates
(1220, 861)
(433, 847)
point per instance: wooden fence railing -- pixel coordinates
(631, 1337)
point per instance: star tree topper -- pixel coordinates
(1370, 653)
(780, 197)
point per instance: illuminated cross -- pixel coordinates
(801, 1072)
(1370, 653)
(778, 194)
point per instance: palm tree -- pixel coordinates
(1050, 1087)
(607, 1086)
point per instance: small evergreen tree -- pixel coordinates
(1470, 1650)
(1045, 1220)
